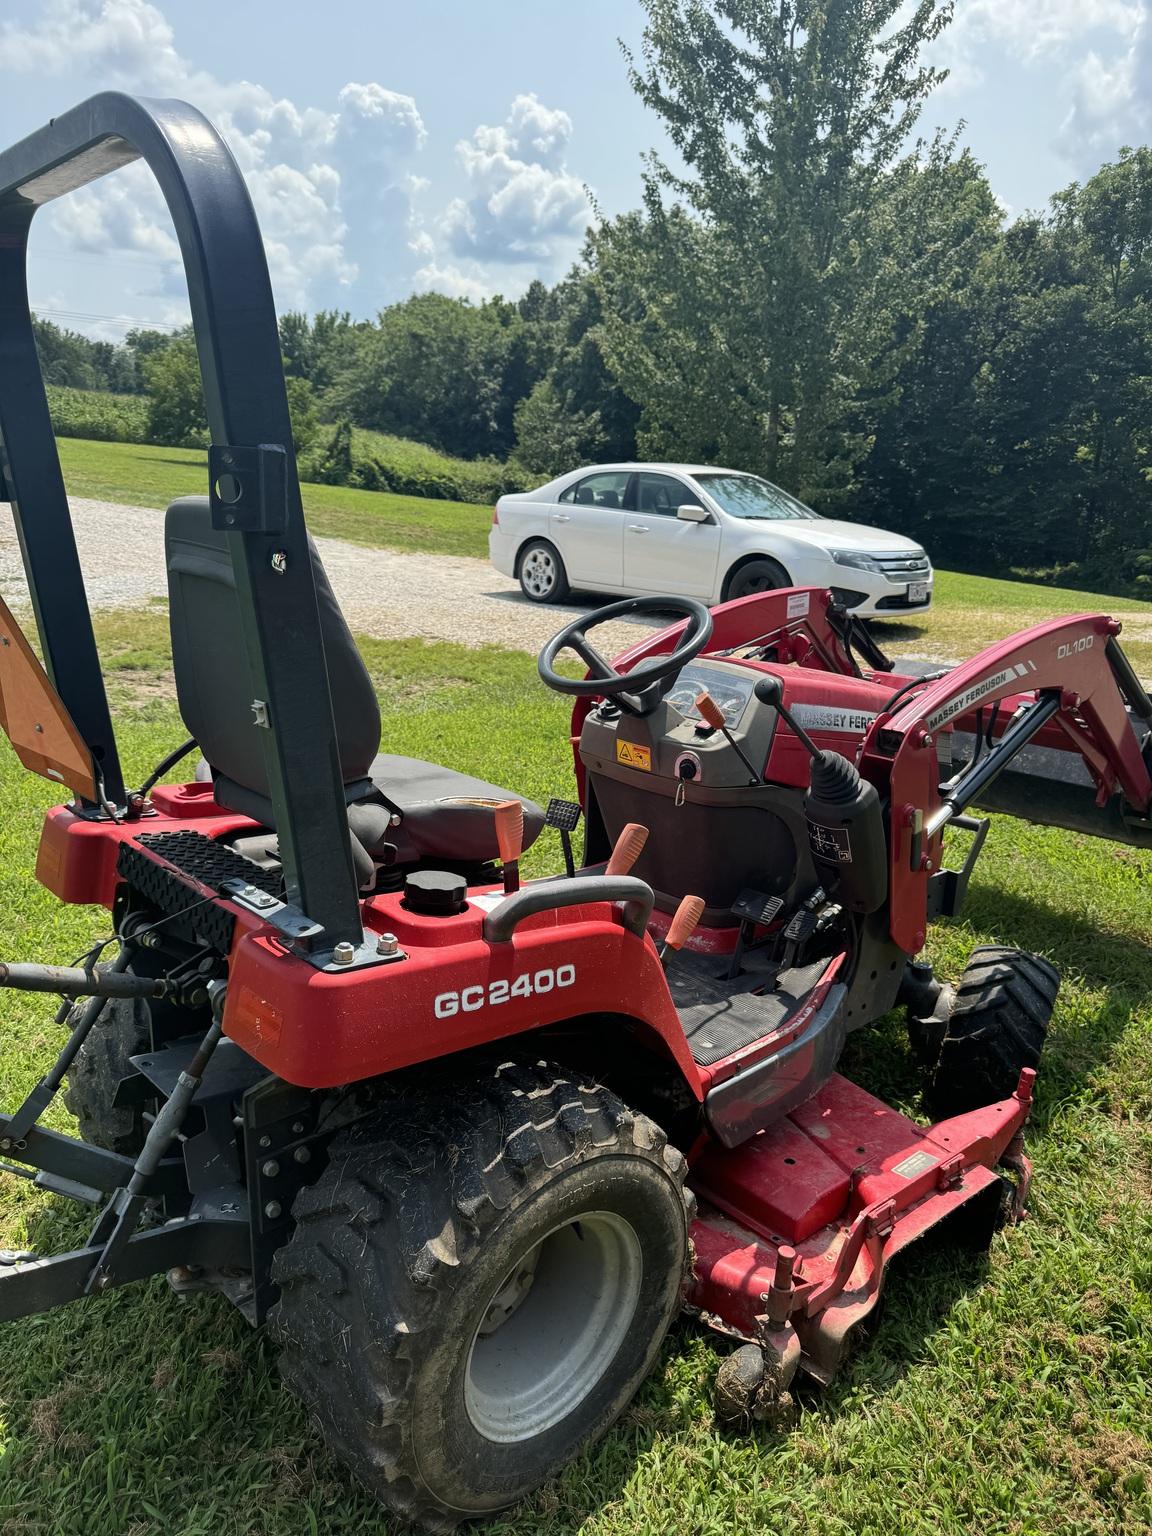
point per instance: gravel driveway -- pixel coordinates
(383, 593)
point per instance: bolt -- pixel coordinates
(344, 953)
(297, 1127)
(265, 1141)
(302, 1155)
(272, 1209)
(387, 944)
(270, 1169)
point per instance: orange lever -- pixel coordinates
(510, 830)
(710, 712)
(684, 921)
(510, 841)
(629, 846)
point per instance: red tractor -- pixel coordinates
(469, 1145)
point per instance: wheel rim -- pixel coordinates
(751, 584)
(553, 1326)
(538, 572)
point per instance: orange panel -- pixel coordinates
(42, 732)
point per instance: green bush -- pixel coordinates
(372, 461)
(328, 454)
(104, 418)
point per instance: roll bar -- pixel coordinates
(254, 488)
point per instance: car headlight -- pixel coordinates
(850, 557)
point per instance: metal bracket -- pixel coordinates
(248, 488)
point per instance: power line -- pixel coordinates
(126, 322)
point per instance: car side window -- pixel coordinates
(660, 495)
(606, 489)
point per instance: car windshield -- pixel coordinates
(749, 496)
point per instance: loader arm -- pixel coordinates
(1069, 676)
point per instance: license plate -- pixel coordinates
(917, 591)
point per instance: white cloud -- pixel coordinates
(522, 200)
(331, 188)
(453, 281)
(1094, 52)
(1028, 31)
(1111, 104)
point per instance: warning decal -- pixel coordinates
(830, 843)
(798, 605)
(633, 755)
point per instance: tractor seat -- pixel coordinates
(443, 814)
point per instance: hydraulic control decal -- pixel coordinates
(830, 843)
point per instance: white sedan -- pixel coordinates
(687, 530)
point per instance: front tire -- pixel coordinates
(996, 1026)
(479, 1283)
(762, 575)
(543, 578)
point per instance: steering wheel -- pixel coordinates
(636, 691)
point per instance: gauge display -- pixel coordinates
(730, 692)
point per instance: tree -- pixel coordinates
(431, 370)
(753, 292)
(176, 414)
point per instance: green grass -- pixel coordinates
(1005, 1395)
(141, 476)
(969, 613)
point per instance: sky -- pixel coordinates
(462, 146)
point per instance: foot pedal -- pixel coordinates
(562, 816)
(756, 907)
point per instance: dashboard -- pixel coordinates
(730, 691)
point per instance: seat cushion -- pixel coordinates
(446, 815)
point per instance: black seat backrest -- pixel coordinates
(214, 686)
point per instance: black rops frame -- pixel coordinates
(254, 487)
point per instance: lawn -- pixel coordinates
(143, 476)
(1006, 1395)
(969, 612)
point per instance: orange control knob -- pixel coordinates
(710, 712)
(683, 924)
(629, 846)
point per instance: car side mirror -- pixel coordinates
(689, 512)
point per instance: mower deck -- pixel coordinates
(796, 1227)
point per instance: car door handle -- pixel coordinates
(562, 517)
(637, 528)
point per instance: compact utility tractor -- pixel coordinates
(468, 1144)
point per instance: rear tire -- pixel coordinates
(761, 575)
(478, 1284)
(996, 1027)
(543, 578)
(122, 1030)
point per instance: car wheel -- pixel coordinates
(543, 578)
(757, 576)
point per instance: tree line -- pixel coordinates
(806, 292)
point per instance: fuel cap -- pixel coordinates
(435, 892)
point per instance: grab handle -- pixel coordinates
(547, 895)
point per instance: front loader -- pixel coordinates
(468, 1144)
